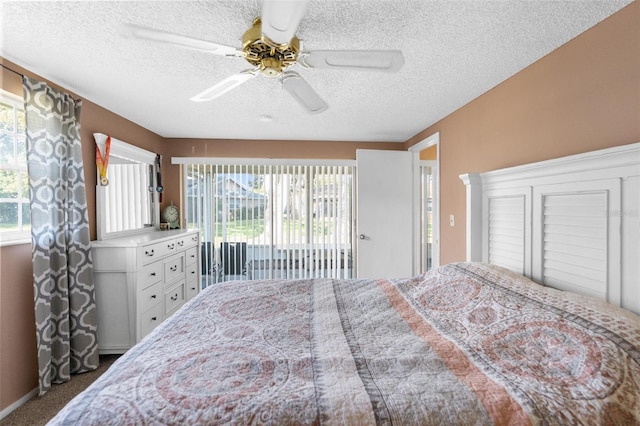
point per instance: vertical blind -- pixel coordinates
(272, 220)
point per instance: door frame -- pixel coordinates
(427, 142)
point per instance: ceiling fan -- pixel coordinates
(271, 47)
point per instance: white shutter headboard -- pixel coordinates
(571, 223)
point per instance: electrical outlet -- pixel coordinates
(452, 221)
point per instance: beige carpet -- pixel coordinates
(39, 410)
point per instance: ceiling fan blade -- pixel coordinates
(368, 60)
(303, 92)
(280, 19)
(225, 85)
(135, 31)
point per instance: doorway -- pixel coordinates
(426, 157)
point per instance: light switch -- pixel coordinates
(452, 221)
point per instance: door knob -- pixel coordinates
(362, 237)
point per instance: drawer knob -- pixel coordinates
(153, 274)
(174, 298)
(171, 246)
(153, 296)
(149, 252)
(180, 243)
(174, 268)
(154, 318)
(193, 272)
(193, 288)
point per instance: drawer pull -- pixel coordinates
(153, 296)
(192, 256)
(174, 268)
(194, 238)
(174, 298)
(193, 272)
(171, 246)
(149, 252)
(180, 243)
(193, 288)
(153, 274)
(154, 318)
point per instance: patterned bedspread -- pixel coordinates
(464, 344)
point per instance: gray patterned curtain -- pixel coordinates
(62, 267)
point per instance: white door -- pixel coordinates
(384, 214)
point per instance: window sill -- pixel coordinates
(14, 241)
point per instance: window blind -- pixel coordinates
(272, 220)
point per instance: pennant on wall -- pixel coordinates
(102, 161)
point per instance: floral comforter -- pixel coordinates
(464, 344)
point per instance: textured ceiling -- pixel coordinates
(454, 51)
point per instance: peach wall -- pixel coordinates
(582, 97)
(18, 356)
(430, 153)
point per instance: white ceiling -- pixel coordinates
(454, 51)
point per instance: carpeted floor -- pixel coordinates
(39, 410)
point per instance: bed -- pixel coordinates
(470, 343)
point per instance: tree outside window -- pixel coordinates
(14, 182)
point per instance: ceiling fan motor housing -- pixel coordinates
(271, 58)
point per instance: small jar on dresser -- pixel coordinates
(140, 281)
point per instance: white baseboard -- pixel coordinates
(8, 410)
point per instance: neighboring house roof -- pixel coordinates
(228, 187)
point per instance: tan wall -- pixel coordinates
(18, 356)
(430, 153)
(582, 97)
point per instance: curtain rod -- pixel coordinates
(22, 75)
(12, 70)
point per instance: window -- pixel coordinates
(271, 219)
(15, 219)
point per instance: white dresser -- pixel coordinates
(140, 281)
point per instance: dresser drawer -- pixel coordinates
(150, 297)
(151, 273)
(186, 241)
(173, 268)
(192, 272)
(192, 289)
(174, 298)
(155, 251)
(192, 255)
(150, 319)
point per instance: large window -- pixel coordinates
(15, 221)
(272, 220)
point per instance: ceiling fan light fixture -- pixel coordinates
(271, 58)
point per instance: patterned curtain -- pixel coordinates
(62, 267)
